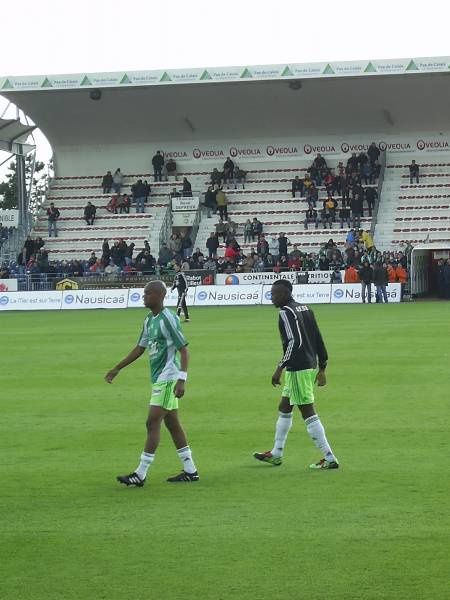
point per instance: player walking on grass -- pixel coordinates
(180, 282)
(302, 346)
(163, 337)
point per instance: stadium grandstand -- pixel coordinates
(272, 122)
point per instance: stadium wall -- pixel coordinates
(216, 295)
(136, 158)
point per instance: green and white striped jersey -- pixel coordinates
(162, 335)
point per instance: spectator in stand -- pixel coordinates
(89, 213)
(29, 248)
(210, 202)
(112, 204)
(336, 275)
(283, 264)
(366, 172)
(248, 231)
(283, 244)
(117, 181)
(344, 215)
(312, 195)
(97, 268)
(366, 277)
(212, 243)
(330, 183)
(413, 172)
(367, 238)
(274, 248)
(228, 170)
(187, 188)
(112, 268)
(186, 245)
(257, 228)
(148, 190)
(371, 195)
(297, 186)
(129, 254)
(294, 262)
(351, 274)
(138, 190)
(392, 276)
(380, 279)
(231, 253)
(158, 164)
(123, 203)
(311, 217)
(107, 182)
(373, 153)
(357, 210)
(320, 163)
(171, 168)
(216, 177)
(221, 230)
(352, 164)
(106, 252)
(175, 244)
(164, 256)
(262, 247)
(222, 203)
(314, 173)
(330, 205)
(52, 218)
(401, 273)
(239, 177)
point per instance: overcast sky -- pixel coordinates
(61, 36)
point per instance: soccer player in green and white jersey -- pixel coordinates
(163, 337)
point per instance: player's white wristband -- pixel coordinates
(182, 375)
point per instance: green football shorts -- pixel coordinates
(163, 395)
(299, 386)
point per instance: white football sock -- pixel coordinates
(146, 461)
(185, 455)
(284, 424)
(317, 433)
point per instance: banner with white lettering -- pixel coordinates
(310, 293)
(254, 278)
(83, 299)
(30, 300)
(224, 295)
(136, 297)
(349, 293)
(9, 218)
(8, 285)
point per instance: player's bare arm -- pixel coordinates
(184, 361)
(276, 377)
(321, 378)
(132, 356)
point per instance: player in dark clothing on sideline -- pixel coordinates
(302, 345)
(180, 282)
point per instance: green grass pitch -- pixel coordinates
(375, 529)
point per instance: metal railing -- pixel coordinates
(379, 191)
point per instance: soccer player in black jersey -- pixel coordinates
(180, 282)
(303, 349)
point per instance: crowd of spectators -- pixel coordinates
(346, 182)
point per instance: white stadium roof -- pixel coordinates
(384, 96)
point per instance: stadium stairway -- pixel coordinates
(414, 213)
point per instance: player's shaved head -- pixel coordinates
(157, 287)
(281, 292)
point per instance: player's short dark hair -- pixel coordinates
(285, 283)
